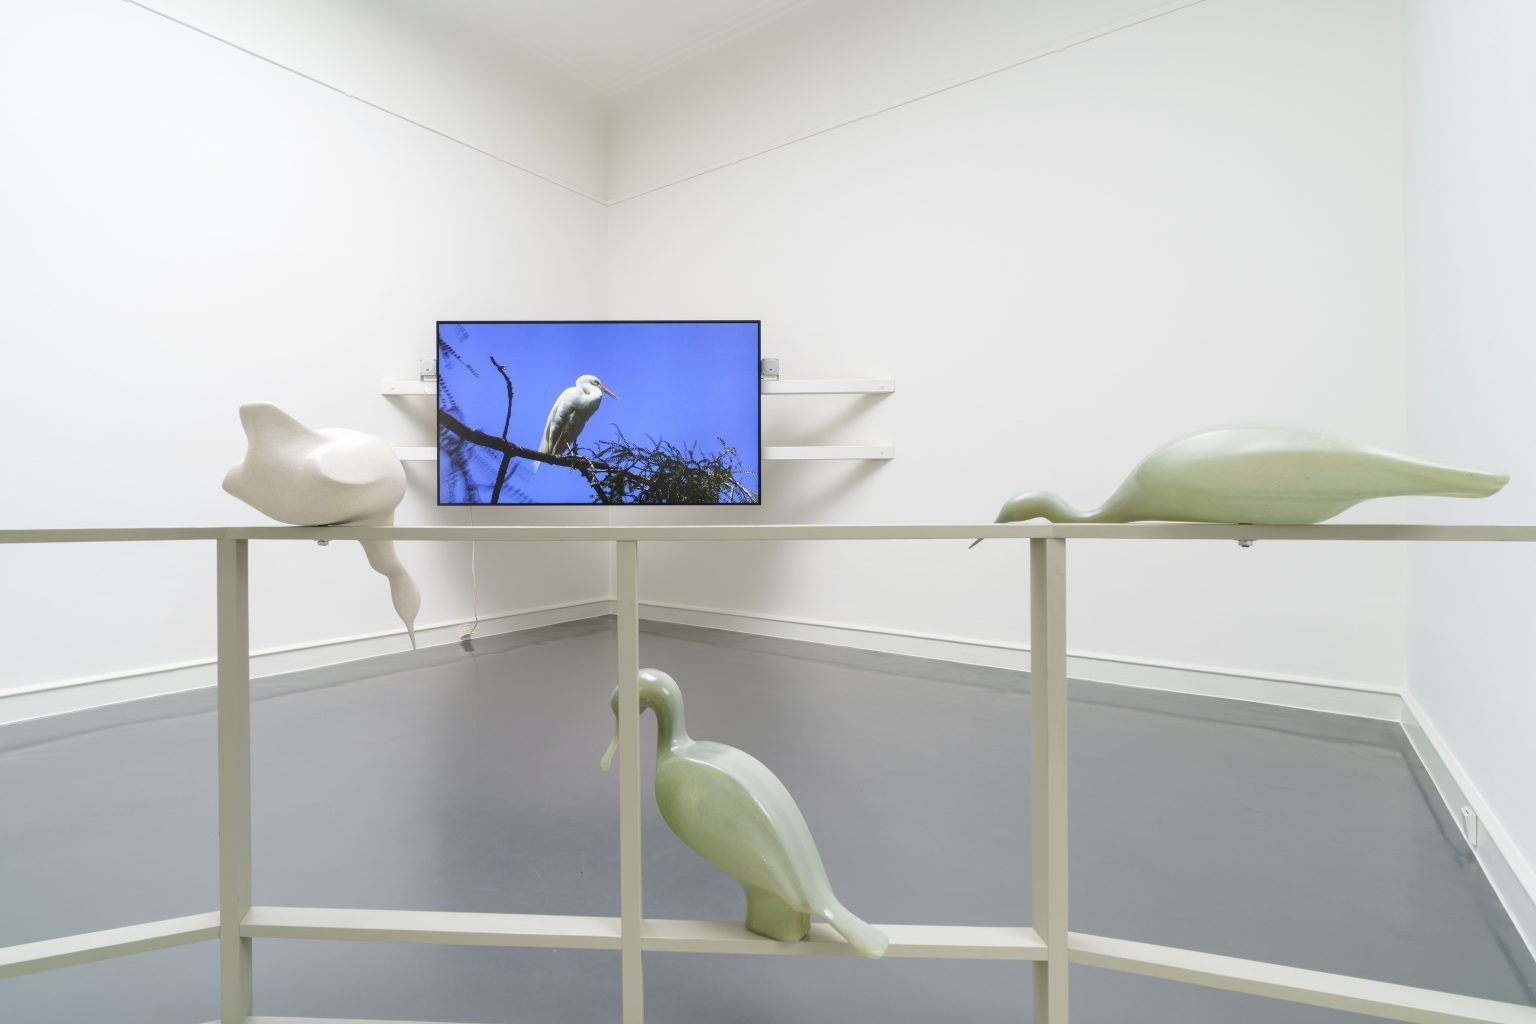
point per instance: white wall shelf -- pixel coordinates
(830, 452)
(852, 386)
(408, 387)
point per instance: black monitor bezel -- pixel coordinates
(437, 443)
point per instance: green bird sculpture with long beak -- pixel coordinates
(1259, 475)
(731, 810)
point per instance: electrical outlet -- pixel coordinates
(1469, 826)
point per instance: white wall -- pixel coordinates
(821, 64)
(1192, 221)
(1472, 330)
(422, 61)
(187, 228)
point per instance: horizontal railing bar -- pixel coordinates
(958, 942)
(1275, 981)
(50, 954)
(918, 531)
(1318, 531)
(645, 533)
(113, 534)
(657, 935)
(432, 927)
(1294, 984)
(850, 531)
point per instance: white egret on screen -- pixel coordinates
(570, 414)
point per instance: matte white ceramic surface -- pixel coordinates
(307, 477)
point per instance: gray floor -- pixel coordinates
(453, 780)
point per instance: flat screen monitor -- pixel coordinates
(607, 412)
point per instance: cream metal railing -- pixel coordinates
(1046, 942)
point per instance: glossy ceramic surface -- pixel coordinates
(736, 814)
(1262, 475)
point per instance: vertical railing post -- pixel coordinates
(627, 565)
(1048, 771)
(234, 757)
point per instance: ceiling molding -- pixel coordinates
(606, 46)
(566, 66)
(750, 20)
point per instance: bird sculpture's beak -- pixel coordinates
(605, 391)
(1000, 519)
(607, 760)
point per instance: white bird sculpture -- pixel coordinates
(1271, 475)
(307, 477)
(736, 814)
(570, 414)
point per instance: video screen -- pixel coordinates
(616, 412)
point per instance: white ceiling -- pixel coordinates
(611, 45)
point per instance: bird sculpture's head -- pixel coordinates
(659, 692)
(587, 382)
(1034, 505)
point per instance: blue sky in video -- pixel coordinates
(687, 383)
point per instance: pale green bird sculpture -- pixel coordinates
(735, 813)
(1259, 475)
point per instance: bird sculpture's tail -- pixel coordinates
(1456, 482)
(403, 591)
(862, 936)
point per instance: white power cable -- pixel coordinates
(465, 632)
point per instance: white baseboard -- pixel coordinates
(58, 698)
(1509, 873)
(1355, 699)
